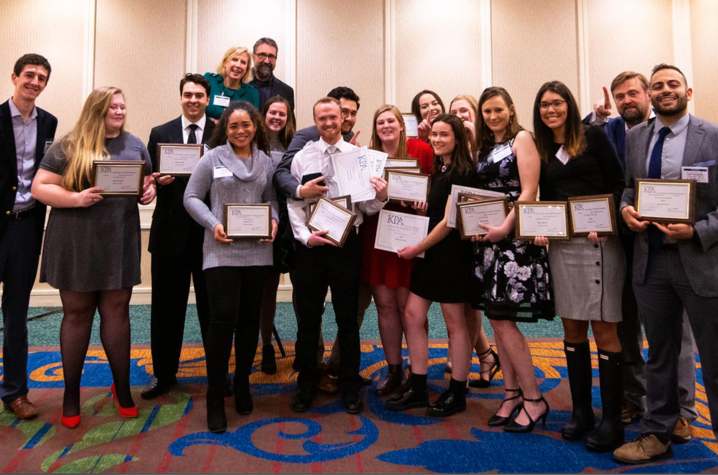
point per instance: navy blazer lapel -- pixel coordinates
(176, 134)
(694, 140)
(8, 135)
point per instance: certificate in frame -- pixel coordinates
(476, 207)
(341, 218)
(402, 163)
(248, 220)
(396, 230)
(555, 211)
(345, 201)
(393, 175)
(411, 125)
(185, 161)
(585, 210)
(118, 177)
(402, 169)
(654, 193)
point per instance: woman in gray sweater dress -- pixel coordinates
(236, 170)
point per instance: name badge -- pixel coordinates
(48, 144)
(221, 101)
(563, 155)
(699, 174)
(221, 172)
(500, 153)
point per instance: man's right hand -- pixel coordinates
(312, 188)
(316, 239)
(603, 109)
(630, 216)
(163, 180)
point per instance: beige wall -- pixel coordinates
(386, 50)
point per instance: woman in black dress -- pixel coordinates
(443, 275)
(512, 276)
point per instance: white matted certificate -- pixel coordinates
(402, 163)
(331, 217)
(594, 213)
(408, 187)
(119, 177)
(248, 221)
(456, 189)
(666, 201)
(352, 173)
(411, 125)
(541, 218)
(178, 159)
(377, 161)
(397, 230)
(473, 213)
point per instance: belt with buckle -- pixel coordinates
(24, 214)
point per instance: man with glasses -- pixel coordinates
(265, 60)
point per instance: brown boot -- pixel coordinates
(391, 381)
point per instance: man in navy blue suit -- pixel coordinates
(26, 132)
(633, 104)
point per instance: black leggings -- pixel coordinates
(235, 301)
(79, 312)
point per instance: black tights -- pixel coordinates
(79, 312)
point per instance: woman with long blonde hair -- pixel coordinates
(231, 82)
(92, 244)
(389, 276)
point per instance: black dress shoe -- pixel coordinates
(448, 404)
(156, 388)
(407, 400)
(352, 403)
(303, 400)
(269, 363)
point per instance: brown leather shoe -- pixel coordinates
(328, 385)
(682, 432)
(646, 448)
(22, 407)
(392, 381)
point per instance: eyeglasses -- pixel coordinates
(263, 56)
(556, 104)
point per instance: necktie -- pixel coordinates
(655, 237)
(192, 137)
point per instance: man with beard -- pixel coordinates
(674, 264)
(264, 54)
(322, 265)
(630, 92)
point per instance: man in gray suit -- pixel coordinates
(674, 265)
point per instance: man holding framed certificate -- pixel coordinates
(176, 241)
(321, 264)
(674, 265)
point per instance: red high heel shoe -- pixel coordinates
(129, 412)
(71, 422)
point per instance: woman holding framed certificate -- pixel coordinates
(387, 274)
(426, 106)
(443, 275)
(92, 243)
(588, 273)
(236, 170)
(231, 82)
(279, 119)
(512, 276)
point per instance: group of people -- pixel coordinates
(650, 273)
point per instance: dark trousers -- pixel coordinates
(170, 290)
(235, 302)
(662, 299)
(19, 254)
(338, 269)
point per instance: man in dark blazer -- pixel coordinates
(264, 55)
(633, 104)
(674, 265)
(26, 131)
(176, 241)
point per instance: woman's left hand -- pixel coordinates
(494, 234)
(380, 186)
(408, 253)
(149, 191)
(594, 239)
(274, 232)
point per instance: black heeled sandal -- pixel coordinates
(515, 427)
(495, 367)
(496, 420)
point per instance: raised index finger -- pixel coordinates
(607, 98)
